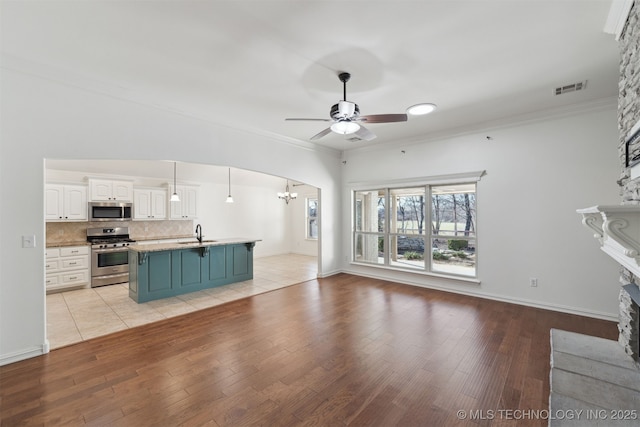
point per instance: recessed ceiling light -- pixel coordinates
(421, 109)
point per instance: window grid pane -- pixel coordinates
(453, 229)
(454, 256)
(369, 248)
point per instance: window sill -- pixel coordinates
(465, 279)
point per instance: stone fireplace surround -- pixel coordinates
(629, 324)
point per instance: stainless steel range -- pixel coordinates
(109, 255)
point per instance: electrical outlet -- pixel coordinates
(533, 282)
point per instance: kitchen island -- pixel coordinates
(165, 270)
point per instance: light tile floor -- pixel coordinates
(78, 315)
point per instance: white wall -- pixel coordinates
(537, 175)
(41, 118)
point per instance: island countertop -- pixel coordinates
(158, 247)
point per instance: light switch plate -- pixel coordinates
(29, 241)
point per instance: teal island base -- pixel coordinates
(156, 274)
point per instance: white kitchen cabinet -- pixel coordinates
(187, 207)
(110, 190)
(65, 202)
(67, 267)
(149, 204)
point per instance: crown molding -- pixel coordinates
(602, 104)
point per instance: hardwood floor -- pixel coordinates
(343, 350)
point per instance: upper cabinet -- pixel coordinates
(110, 190)
(187, 207)
(150, 204)
(65, 202)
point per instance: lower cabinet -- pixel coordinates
(67, 267)
(163, 274)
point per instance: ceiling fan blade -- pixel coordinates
(308, 120)
(364, 133)
(321, 134)
(383, 118)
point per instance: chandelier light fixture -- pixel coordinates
(174, 196)
(286, 196)
(229, 198)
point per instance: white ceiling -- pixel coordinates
(250, 64)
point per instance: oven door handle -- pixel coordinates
(106, 276)
(108, 250)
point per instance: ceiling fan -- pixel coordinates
(346, 117)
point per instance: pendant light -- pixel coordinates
(174, 196)
(229, 198)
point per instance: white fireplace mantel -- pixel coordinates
(617, 228)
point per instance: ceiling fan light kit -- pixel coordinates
(345, 127)
(346, 117)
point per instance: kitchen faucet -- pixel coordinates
(199, 233)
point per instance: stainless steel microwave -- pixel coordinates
(110, 211)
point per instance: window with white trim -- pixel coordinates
(312, 218)
(429, 228)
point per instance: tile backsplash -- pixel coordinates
(76, 232)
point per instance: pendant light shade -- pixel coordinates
(174, 196)
(229, 198)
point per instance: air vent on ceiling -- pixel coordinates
(354, 139)
(571, 88)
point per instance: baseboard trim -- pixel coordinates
(23, 355)
(519, 301)
(330, 273)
